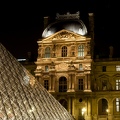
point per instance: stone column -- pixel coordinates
(69, 83)
(87, 83)
(70, 105)
(110, 110)
(52, 83)
(73, 82)
(89, 117)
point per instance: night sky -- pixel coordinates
(21, 23)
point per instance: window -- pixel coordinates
(104, 105)
(81, 51)
(104, 84)
(46, 68)
(46, 84)
(64, 51)
(117, 104)
(80, 84)
(80, 67)
(47, 52)
(117, 84)
(62, 84)
(118, 68)
(104, 68)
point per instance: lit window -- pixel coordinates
(80, 67)
(64, 51)
(46, 68)
(47, 52)
(81, 51)
(117, 84)
(80, 84)
(117, 104)
(46, 84)
(62, 84)
(118, 68)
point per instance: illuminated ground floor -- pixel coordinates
(92, 106)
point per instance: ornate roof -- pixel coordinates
(69, 22)
(22, 97)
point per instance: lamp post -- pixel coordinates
(83, 111)
(107, 113)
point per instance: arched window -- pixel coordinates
(64, 51)
(46, 84)
(63, 102)
(80, 84)
(102, 107)
(81, 51)
(62, 84)
(47, 52)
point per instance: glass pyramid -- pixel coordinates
(22, 97)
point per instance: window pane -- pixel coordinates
(46, 84)
(80, 84)
(117, 105)
(117, 84)
(46, 68)
(47, 52)
(118, 68)
(62, 84)
(80, 67)
(64, 51)
(81, 51)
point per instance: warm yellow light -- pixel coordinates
(83, 110)
(107, 110)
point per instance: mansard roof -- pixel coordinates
(70, 22)
(22, 97)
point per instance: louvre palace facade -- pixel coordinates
(88, 87)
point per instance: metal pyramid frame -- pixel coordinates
(22, 97)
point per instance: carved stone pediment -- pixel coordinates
(62, 35)
(62, 66)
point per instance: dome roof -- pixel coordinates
(68, 23)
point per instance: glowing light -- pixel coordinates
(83, 111)
(107, 110)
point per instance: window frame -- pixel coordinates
(47, 52)
(81, 51)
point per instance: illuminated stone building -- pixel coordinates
(88, 88)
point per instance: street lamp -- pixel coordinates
(107, 110)
(107, 113)
(83, 111)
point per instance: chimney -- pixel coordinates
(111, 52)
(91, 25)
(91, 32)
(46, 21)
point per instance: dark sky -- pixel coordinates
(21, 23)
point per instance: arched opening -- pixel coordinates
(62, 84)
(102, 107)
(64, 103)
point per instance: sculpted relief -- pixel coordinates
(62, 66)
(64, 35)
